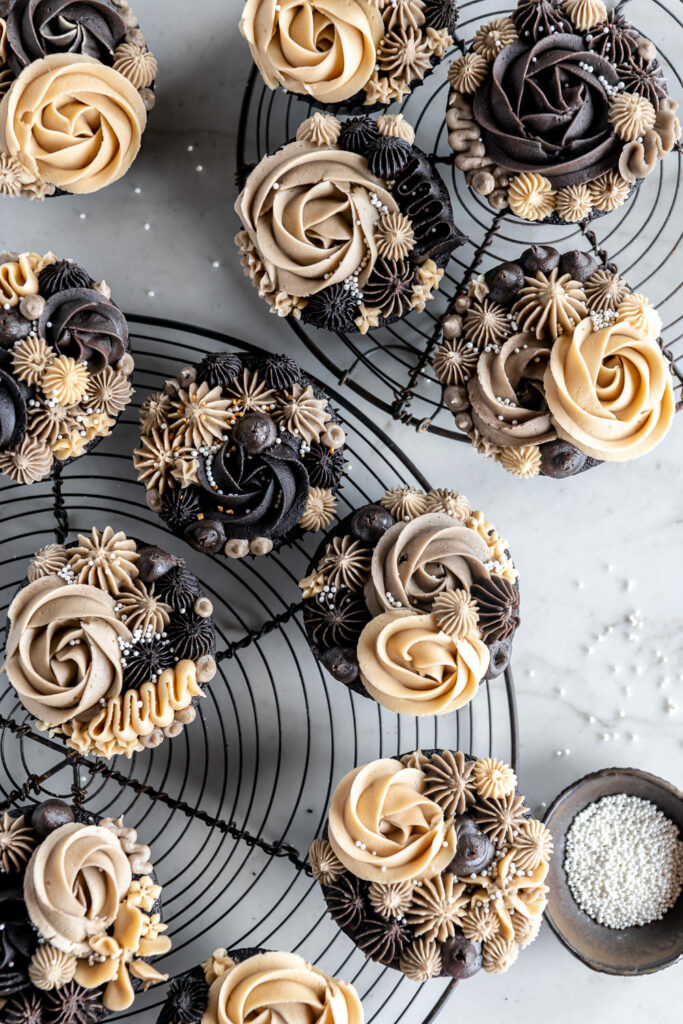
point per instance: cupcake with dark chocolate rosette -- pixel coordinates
(559, 111)
(239, 986)
(110, 643)
(348, 55)
(349, 227)
(552, 365)
(80, 915)
(240, 452)
(433, 865)
(413, 601)
(65, 364)
(76, 83)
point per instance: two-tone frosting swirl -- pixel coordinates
(63, 653)
(280, 988)
(609, 390)
(74, 883)
(383, 828)
(74, 122)
(322, 48)
(415, 561)
(311, 214)
(410, 666)
(508, 405)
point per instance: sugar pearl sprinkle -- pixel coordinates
(624, 861)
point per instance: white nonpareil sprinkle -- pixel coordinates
(624, 861)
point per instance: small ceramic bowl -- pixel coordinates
(633, 951)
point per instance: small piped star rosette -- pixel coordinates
(559, 111)
(349, 227)
(76, 83)
(241, 986)
(65, 364)
(413, 601)
(551, 365)
(110, 643)
(348, 55)
(433, 865)
(241, 454)
(80, 916)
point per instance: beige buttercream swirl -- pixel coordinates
(73, 121)
(63, 653)
(383, 828)
(497, 410)
(610, 390)
(280, 988)
(74, 883)
(309, 213)
(409, 666)
(415, 561)
(322, 48)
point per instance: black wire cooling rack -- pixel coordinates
(230, 806)
(391, 368)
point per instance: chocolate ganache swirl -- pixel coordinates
(82, 323)
(12, 406)
(544, 108)
(261, 495)
(38, 27)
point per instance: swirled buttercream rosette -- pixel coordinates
(348, 55)
(76, 83)
(413, 601)
(237, 986)
(349, 227)
(80, 911)
(433, 865)
(241, 453)
(65, 364)
(110, 642)
(558, 111)
(552, 365)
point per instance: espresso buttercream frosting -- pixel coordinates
(559, 111)
(109, 643)
(414, 613)
(240, 452)
(443, 865)
(348, 226)
(76, 81)
(79, 914)
(579, 374)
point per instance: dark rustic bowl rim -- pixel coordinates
(626, 774)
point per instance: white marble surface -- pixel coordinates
(591, 551)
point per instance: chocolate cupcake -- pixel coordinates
(240, 453)
(433, 865)
(349, 227)
(76, 82)
(109, 643)
(245, 985)
(552, 365)
(79, 916)
(348, 55)
(559, 110)
(413, 601)
(65, 364)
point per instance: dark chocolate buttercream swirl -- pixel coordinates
(82, 323)
(12, 406)
(36, 28)
(542, 110)
(17, 937)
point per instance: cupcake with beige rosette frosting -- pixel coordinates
(348, 227)
(433, 865)
(348, 55)
(413, 601)
(551, 365)
(76, 83)
(243, 985)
